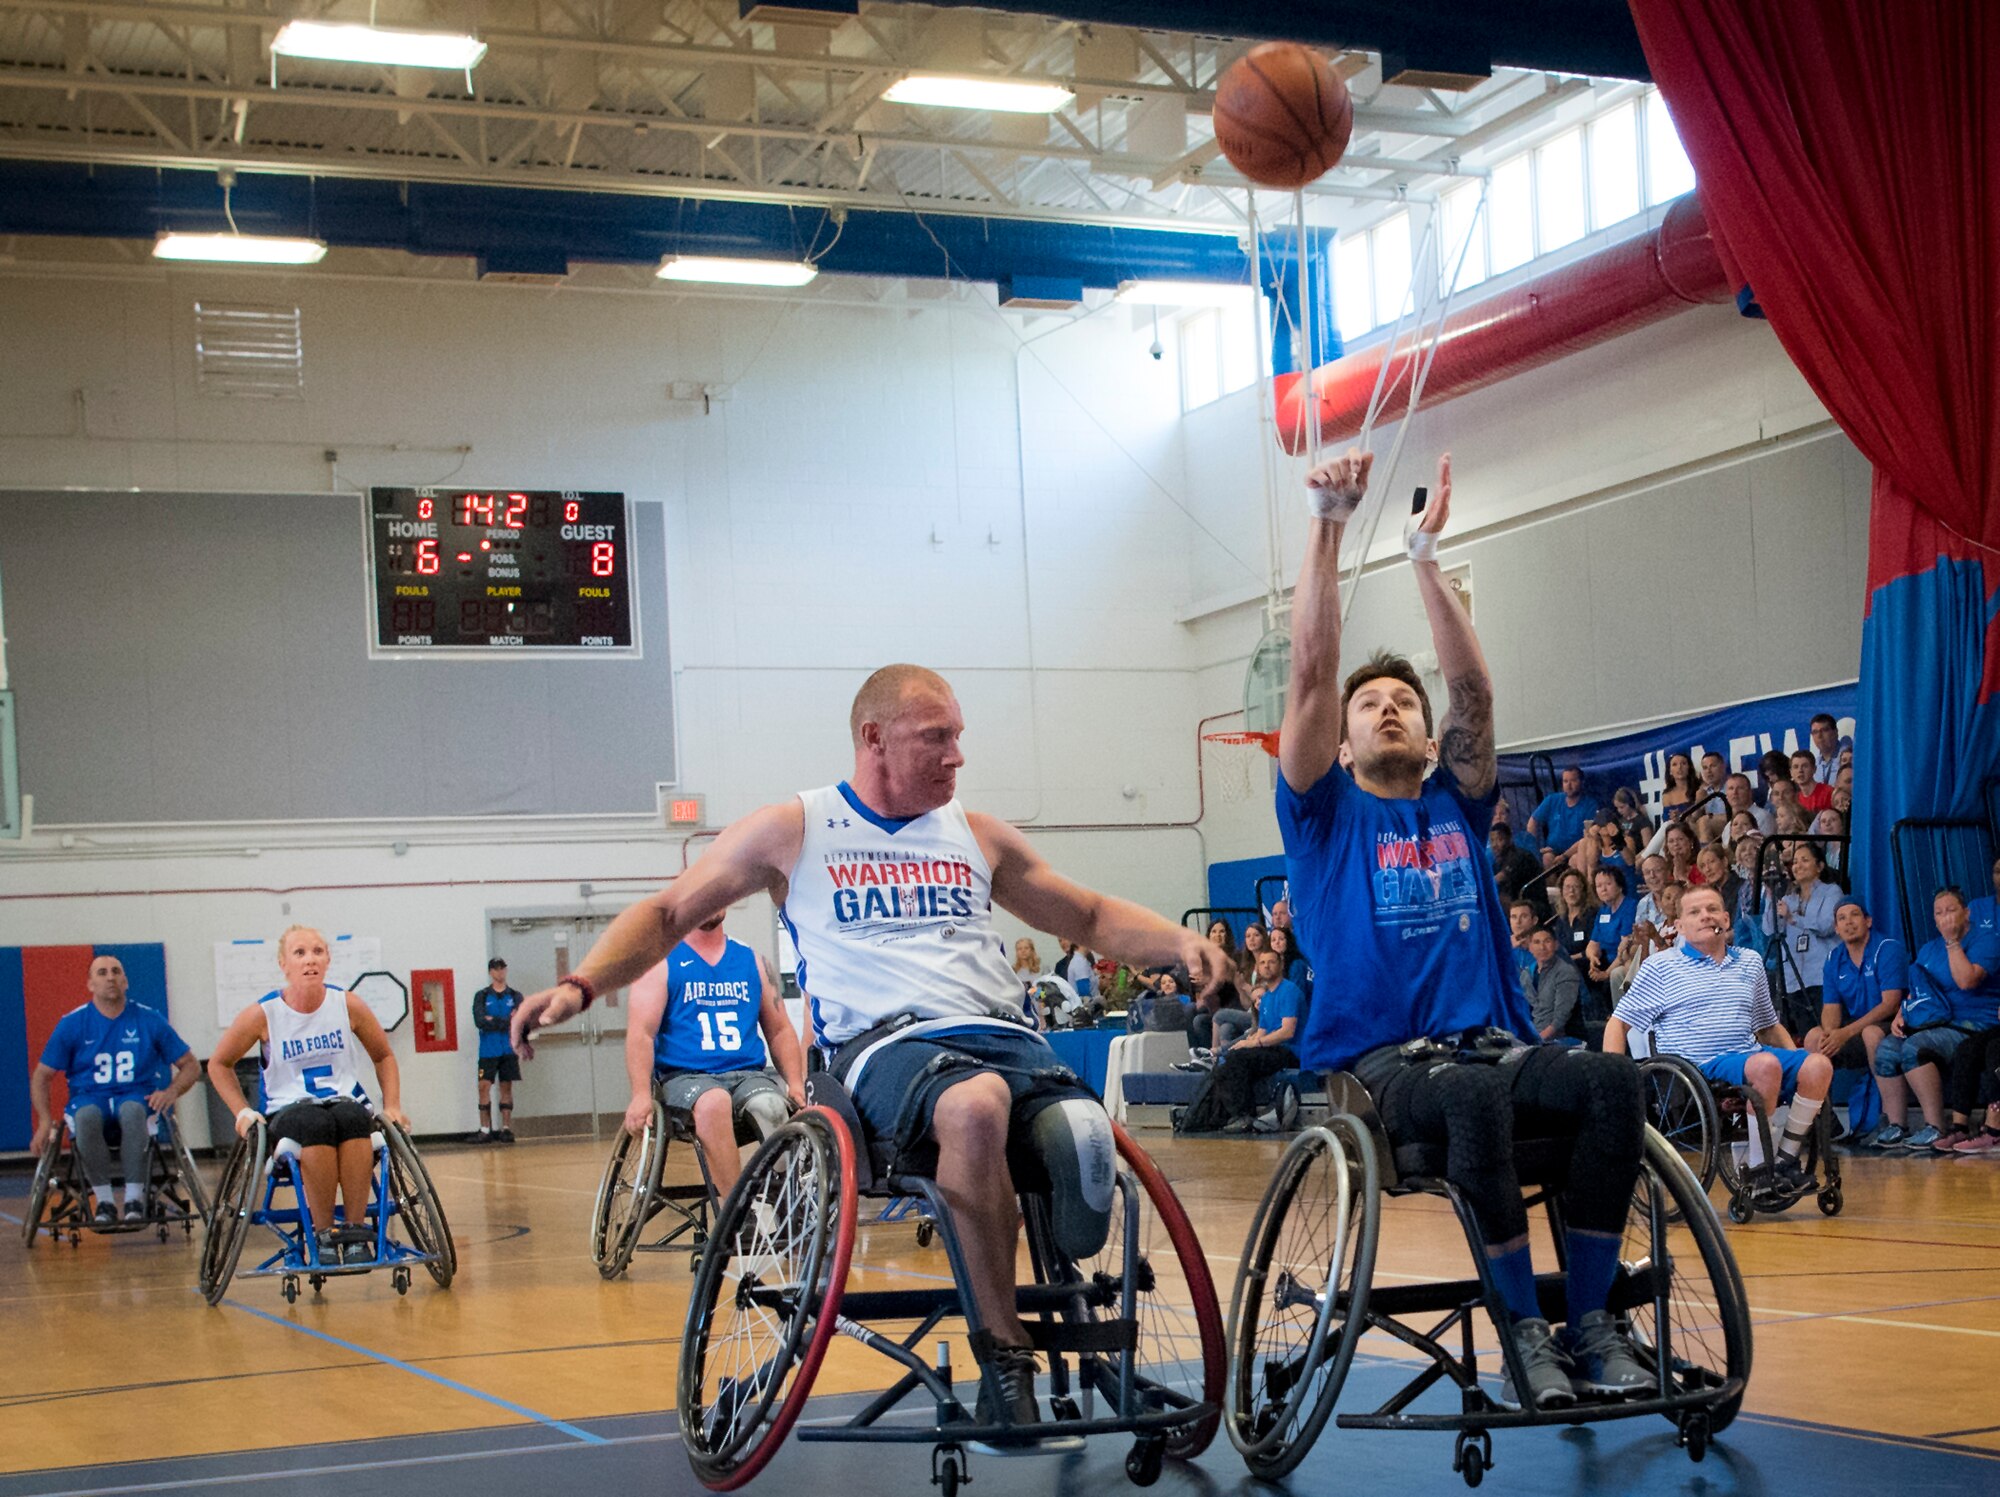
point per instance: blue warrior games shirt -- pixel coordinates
(1396, 903)
(1978, 1008)
(711, 1019)
(109, 1061)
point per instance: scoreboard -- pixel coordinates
(482, 572)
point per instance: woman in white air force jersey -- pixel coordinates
(310, 1035)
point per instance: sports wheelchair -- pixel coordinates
(633, 1192)
(246, 1197)
(59, 1197)
(1305, 1295)
(1708, 1122)
(1137, 1326)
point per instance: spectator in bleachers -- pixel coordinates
(1522, 922)
(1805, 921)
(1972, 1087)
(1219, 1018)
(1635, 830)
(1743, 800)
(1255, 938)
(1714, 774)
(1827, 745)
(1653, 874)
(1747, 923)
(1559, 820)
(1554, 989)
(1814, 797)
(1683, 790)
(1781, 797)
(1830, 823)
(1790, 821)
(1984, 911)
(1223, 939)
(1967, 970)
(1609, 931)
(1603, 846)
(1843, 799)
(1077, 967)
(1573, 917)
(1774, 769)
(1679, 850)
(1963, 968)
(1291, 960)
(1861, 992)
(1515, 869)
(1711, 867)
(1266, 1049)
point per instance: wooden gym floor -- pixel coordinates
(1877, 1356)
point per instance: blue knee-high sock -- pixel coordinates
(1514, 1275)
(1593, 1264)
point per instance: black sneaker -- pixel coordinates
(485, 1136)
(328, 1239)
(506, 1135)
(135, 1211)
(357, 1245)
(106, 1215)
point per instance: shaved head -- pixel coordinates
(882, 695)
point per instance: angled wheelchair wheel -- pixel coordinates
(417, 1205)
(1181, 1358)
(625, 1194)
(1301, 1300)
(1679, 1277)
(766, 1298)
(187, 1174)
(44, 1185)
(1680, 1105)
(229, 1216)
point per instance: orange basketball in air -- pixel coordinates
(1282, 115)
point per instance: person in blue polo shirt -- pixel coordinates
(492, 1012)
(1985, 910)
(1616, 913)
(1708, 1002)
(1961, 965)
(1861, 991)
(1266, 1049)
(113, 1054)
(1559, 820)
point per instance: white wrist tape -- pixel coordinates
(1422, 544)
(1324, 503)
(247, 1112)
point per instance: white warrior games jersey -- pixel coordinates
(710, 1021)
(309, 1057)
(894, 917)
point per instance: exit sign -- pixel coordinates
(686, 810)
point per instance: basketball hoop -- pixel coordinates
(1230, 767)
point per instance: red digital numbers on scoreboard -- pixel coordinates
(603, 559)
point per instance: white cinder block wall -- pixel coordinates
(909, 481)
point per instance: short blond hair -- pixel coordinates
(286, 934)
(882, 695)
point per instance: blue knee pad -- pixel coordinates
(1072, 1139)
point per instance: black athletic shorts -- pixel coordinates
(500, 1067)
(313, 1124)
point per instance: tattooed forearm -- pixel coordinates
(1465, 744)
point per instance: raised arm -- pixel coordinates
(752, 855)
(1465, 738)
(1026, 886)
(1310, 735)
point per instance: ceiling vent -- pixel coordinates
(1040, 293)
(242, 349)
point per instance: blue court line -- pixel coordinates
(457, 1387)
(10, 1216)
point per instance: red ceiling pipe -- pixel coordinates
(1634, 282)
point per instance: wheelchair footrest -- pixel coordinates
(1595, 1412)
(1159, 1422)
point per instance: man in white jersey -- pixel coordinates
(888, 885)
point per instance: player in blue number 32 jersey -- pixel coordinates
(695, 1025)
(1384, 829)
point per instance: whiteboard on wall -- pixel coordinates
(246, 970)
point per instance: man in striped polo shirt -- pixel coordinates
(1708, 1003)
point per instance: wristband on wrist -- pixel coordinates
(582, 986)
(1421, 544)
(246, 1112)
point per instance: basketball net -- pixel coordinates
(1230, 762)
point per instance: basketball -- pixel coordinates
(1282, 115)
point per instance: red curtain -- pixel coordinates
(1848, 154)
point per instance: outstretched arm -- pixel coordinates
(1310, 736)
(1465, 740)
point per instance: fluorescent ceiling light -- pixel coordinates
(332, 42)
(995, 94)
(1182, 293)
(727, 272)
(240, 249)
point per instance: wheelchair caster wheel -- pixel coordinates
(1740, 1209)
(926, 1232)
(291, 1289)
(1472, 1457)
(1142, 1464)
(1694, 1436)
(400, 1280)
(161, 1230)
(948, 1469)
(1830, 1201)
(318, 1281)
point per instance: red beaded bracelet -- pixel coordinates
(583, 987)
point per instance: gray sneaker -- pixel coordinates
(1546, 1367)
(1888, 1136)
(1601, 1360)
